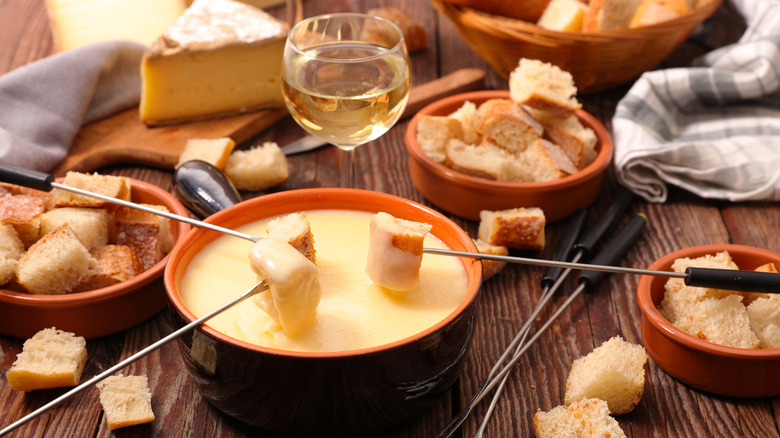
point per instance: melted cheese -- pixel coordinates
(353, 312)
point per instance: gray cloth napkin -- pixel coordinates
(712, 129)
(43, 104)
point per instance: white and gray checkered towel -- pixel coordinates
(712, 129)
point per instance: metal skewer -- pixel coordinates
(259, 287)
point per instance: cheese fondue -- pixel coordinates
(353, 312)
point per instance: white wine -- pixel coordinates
(346, 93)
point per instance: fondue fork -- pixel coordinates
(728, 279)
(259, 287)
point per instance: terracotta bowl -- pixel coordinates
(728, 371)
(465, 195)
(99, 312)
(333, 393)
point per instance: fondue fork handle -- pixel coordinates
(259, 287)
(45, 182)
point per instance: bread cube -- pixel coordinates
(543, 86)
(583, 419)
(491, 267)
(115, 264)
(142, 231)
(50, 359)
(295, 229)
(613, 372)
(578, 142)
(23, 212)
(468, 116)
(56, 264)
(723, 321)
(258, 168)
(90, 224)
(509, 126)
(11, 249)
(483, 161)
(519, 228)
(545, 161)
(107, 185)
(395, 251)
(126, 400)
(435, 132)
(214, 151)
(764, 315)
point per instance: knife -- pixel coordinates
(459, 81)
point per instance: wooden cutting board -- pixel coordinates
(122, 138)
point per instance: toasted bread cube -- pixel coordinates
(126, 400)
(295, 229)
(50, 359)
(519, 228)
(435, 132)
(546, 161)
(107, 185)
(577, 141)
(395, 250)
(90, 224)
(214, 151)
(142, 232)
(166, 235)
(585, 418)
(258, 168)
(543, 86)
(491, 267)
(23, 212)
(613, 372)
(11, 249)
(56, 264)
(483, 161)
(115, 264)
(509, 125)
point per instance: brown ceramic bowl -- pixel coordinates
(334, 393)
(728, 371)
(99, 312)
(465, 195)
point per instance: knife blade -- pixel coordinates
(459, 81)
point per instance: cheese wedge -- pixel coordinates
(294, 288)
(221, 57)
(76, 23)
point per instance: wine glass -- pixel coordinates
(346, 80)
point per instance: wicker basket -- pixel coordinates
(596, 61)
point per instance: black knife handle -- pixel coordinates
(730, 279)
(26, 178)
(604, 223)
(613, 251)
(565, 245)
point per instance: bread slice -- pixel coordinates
(90, 224)
(651, 12)
(126, 400)
(214, 151)
(141, 231)
(764, 315)
(519, 228)
(295, 229)
(509, 126)
(115, 264)
(257, 168)
(106, 185)
(613, 372)
(563, 16)
(543, 86)
(11, 249)
(609, 15)
(50, 359)
(56, 264)
(587, 418)
(395, 251)
(23, 212)
(435, 132)
(491, 267)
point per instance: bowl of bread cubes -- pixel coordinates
(719, 341)
(350, 297)
(81, 264)
(529, 146)
(603, 43)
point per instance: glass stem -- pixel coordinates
(347, 167)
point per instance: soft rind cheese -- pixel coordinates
(221, 57)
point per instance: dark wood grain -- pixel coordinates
(667, 409)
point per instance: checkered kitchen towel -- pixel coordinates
(712, 129)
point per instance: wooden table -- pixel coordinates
(668, 408)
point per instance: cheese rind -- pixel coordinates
(220, 58)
